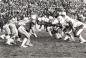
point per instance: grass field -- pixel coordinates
(45, 47)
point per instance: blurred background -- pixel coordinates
(41, 7)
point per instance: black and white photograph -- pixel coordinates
(42, 28)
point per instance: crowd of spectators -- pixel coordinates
(42, 7)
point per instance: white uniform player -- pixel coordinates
(7, 34)
(77, 26)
